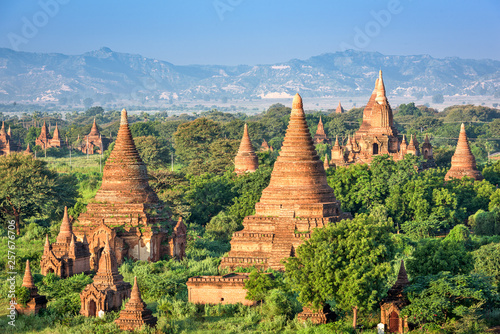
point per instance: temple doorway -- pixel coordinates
(375, 148)
(92, 308)
(394, 322)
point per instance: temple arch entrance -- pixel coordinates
(375, 148)
(92, 308)
(394, 322)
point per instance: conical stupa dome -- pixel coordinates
(125, 176)
(246, 160)
(298, 181)
(463, 162)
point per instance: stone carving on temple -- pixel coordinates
(246, 161)
(67, 256)
(463, 162)
(36, 302)
(108, 290)
(135, 314)
(297, 200)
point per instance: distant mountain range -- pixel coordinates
(105, 76)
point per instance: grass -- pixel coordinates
(81, 164)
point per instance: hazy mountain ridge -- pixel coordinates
(28, 76)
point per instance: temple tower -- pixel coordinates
(125, 209)
(463, 162)
(339, 109)
(36, 302)
(392, 305)
(246, 161)
(297, 200)
(320, 136)
(108, 290)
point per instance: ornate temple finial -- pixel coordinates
(297, 102)
(124, 119)
(380, 89)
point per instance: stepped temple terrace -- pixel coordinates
(463, 162)
(297, 200)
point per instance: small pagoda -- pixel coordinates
(135, 314)
(246, 161)
(463, 162)
(339, 109)
(36, 302)
(320, 136)
(94, 142)
(108, 290)
(67, 256)
(392, 305)
(7, 144)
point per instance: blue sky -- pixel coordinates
(235, 32)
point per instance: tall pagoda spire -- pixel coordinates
(339, 109)
(246, 160)
(9, 132)
(107, 272)
(298, 178)
(56, 133)
(463, 162)
(380, 88)
(125, 176)
(2, 129)
(28, 278)
(66, 230)
(94, 131)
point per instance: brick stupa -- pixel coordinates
(126, 210)
(246, 160)
(36, 302)
(463, 162)
(297, 200)
(108, 290)
(135, 314)
(320, 136)
(67, 256)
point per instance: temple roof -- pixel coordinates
(56, 133)
(298, 177)
(94, 131)
(339, 109)
(125, 176)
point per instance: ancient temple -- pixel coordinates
(67, 256)
(339, 109)
(297, 200)
(36, 302)
(320, 136)
(246, 161)
(7, 144)
(108, 290)
(376, 135)
(45, 140)
(427, 149)
(135, 314)
(463, 162)
(94, 142)
(326, 163)
(265, 146)
(28, 150)
(126, 210)
(392, 305)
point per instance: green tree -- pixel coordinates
(28, 188)
(153, 151)
(347, 262)
(143, 129)
(258, 285)
(487, 261)
(438, 298)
